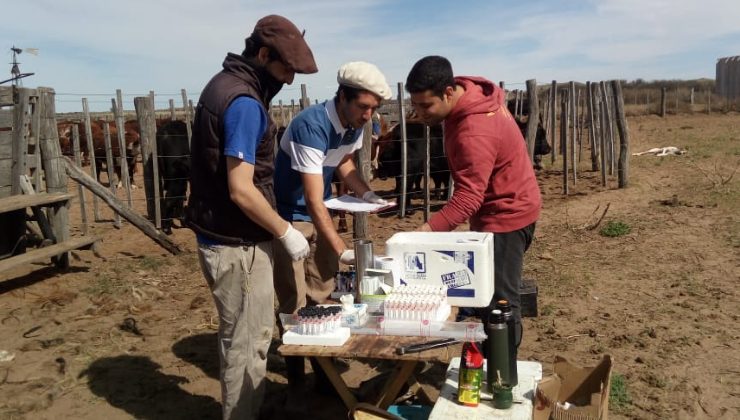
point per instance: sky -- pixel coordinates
(91, 48)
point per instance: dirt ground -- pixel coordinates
(662, 299)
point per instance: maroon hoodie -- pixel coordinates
(495, 185)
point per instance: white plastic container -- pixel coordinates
(463, 261)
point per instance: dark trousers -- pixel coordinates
(508, 260)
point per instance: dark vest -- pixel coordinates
(210, 211)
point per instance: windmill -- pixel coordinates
(15, 71)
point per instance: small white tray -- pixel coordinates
(335, 338)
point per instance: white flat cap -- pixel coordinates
(366, 76)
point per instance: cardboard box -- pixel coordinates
(586, 389)
(463, 261)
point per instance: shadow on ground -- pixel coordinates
(136, 385)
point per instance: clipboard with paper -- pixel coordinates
(355, 205)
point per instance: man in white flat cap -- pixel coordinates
(319, 142)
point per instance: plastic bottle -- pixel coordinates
(497, 353)
(505, 308)
(471, 372)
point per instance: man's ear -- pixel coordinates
(449, 90)
(263, 55)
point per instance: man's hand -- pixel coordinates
(424, 228)
(371, 197)
(294, 242)
(347, 257)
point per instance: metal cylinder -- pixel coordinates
(364, 259)
(497, 353)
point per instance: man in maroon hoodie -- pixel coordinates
(495, 186)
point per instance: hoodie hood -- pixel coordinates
(481, 97)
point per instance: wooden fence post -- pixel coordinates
(534, 117)
(709, 101)
(427, 170)
(91, 153)
(118, 113)
(591, 126)
(19, 145)
(624, 135)
(109, 161)
(663, 101)
(147, 129)
(553, 120)
(362, 161)
(404, 152)
(78, 162)
(573, 110)
(56, 177)
(564, 137)
(305, 102)
(604, 115)
(173, 117)
(186, 110)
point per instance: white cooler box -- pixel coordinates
(463, 261)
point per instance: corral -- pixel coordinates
(133, 334)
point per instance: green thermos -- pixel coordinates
(505, 308)
(497, 352)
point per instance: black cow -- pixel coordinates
(174, 170)
(389, 159)
(541, 146)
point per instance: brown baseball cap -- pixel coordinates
(284, 37)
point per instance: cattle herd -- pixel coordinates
(173, 159)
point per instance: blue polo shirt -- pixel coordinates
(314, 143)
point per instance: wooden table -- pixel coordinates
(373, 347)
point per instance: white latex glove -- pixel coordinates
(371, 197)
(347, 257)
(294, 242)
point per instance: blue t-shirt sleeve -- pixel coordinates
(245, 122)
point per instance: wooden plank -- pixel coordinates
(6, 144)
(21, 201)
(6, 95)
(374, 347)
(41, 254)
(399, 377)
(140, 222)
(38, 213)
(6, 118)
(20, 140)
(35, 142)
(331, 372)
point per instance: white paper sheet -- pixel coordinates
(354, 204)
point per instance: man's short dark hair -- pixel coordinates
(433, 73)
(252, 47)
(350, 93)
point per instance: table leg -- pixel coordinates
(331, 372)
(390, 391)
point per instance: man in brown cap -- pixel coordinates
(231, 206)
